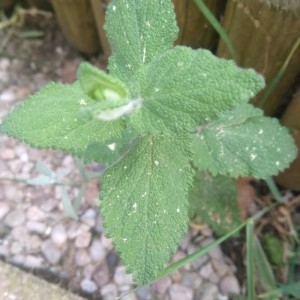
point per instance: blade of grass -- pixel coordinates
(217, 26)
(274, 189)
(68, 207)
(274, 82)
(263, 267)
(251, 295)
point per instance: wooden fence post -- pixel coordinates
(291, 118)
(263, 37)
(77, 22)
(194, 29)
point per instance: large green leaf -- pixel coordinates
(138, 31)
(51, 119)
(184, 88)
(144, 203)
(243, 142)
(214, 201)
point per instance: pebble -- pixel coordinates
(36, 227)
(220, 267)
(206, 271)
(230, 285)
(97, 251)
(51, 253)
(192, 279)
(59, 235)
(4, 251)
(101, 275)
(16, 248)
(83, 239)
(20, 234)
(121, 277)
(88, 286)
(89, 217)
(36, 214)
(14, 218)
(82, 257)
(7, 154)
(88, 271)
(145, 293)
(33, 262)
(109, 292)
(179, 292)
(7, 96)
(162, 285)
(207, 291)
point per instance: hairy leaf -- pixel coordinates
(184, 88)
(214, 201)
(144, 208)
(137, 32)
(243, 142)
(51, 119)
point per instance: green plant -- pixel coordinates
(162, 113)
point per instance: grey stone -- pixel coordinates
(49, 205)
(59, 235)
(4, 231)
(97, 251)
(192, 280)
(101, 275)
(162, 285)
(176, 276)
(4, 209)
(18, 259)
(14, 218)
(51, 253)
(206, 271)
(16, 248)
(230, 285)
(109, 292)
(89, 217)
(33, 262)
(179, 292)
(83, 240)
(4, 251)
(20, 234)
(145, 293)
(36, 227)
(207, 291)
(82, 257)
(36, 214)
(88, 286)
(88, 271)
(7, 96)
(106, 242)
(121, 277)
(33, 244)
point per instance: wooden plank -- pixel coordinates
(291, 118)
(194, 29)
(76, 20)
(263, 37)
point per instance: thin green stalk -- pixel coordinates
(278, 76)
(274, 189)
(251, 294)
(217, 26)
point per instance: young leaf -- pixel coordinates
(214, 201)
(137, 32)
(184, 88)
(144, 208)
(243, 142)
(51, 119)
(100, 86)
